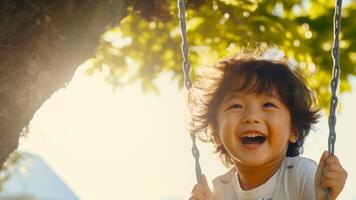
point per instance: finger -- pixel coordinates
(332, 160)
(332, 175)
(335, 186)
(332, 183)
(334, 168)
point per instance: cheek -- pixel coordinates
(227, 131)
(288, 122)
(283, 118)
(281, 125)
(227, 123)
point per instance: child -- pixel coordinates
(257, 112)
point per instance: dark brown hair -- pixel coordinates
(251, 73)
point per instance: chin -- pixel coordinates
(249, 162)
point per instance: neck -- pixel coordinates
(252, 177)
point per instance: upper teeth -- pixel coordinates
(252, 134)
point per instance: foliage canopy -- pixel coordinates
(141, 49)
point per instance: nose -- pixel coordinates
(252, 116)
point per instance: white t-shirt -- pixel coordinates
(294, 180)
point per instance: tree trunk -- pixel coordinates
(41, 45)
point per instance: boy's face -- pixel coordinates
(254, 128)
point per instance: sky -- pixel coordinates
(130, 145)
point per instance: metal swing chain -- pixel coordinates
(335, 77)
(187, 81)
(334, 82)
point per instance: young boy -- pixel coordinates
(257, 113)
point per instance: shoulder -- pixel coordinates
(299, 168)
(223, 185)
(299, 160)
(299, 173)
(299, 164)
(225, 178)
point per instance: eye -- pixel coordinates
(235, 106)
(269, 105)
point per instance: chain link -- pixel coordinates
(334, 82)
(187, 81)
(335, 77)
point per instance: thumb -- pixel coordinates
(202, 180)
(321, 165)
(318, 176)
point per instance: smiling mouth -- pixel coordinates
(258, 139)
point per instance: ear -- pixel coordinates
(293, 138)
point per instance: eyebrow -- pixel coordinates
(236, 95)
(233, 96)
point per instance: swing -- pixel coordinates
(334, 81)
